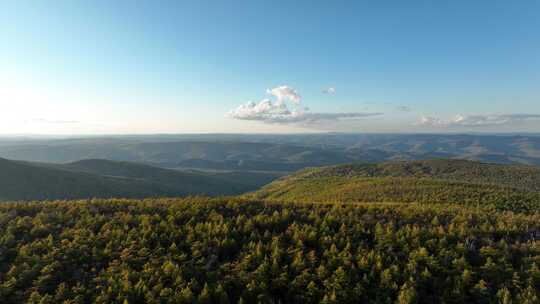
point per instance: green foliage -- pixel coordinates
(505, 187)
(230, 251)
(516, 176)
(104, 179)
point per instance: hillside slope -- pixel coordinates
(434, 181)
(100, 178)
(518, 176)
(213, 182)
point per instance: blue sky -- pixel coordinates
(191, 66)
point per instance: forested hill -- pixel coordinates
(513, 187)
(210, 182)
(518, 176)
(100, 178)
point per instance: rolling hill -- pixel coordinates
(271, 152)
(245, 156)
(102, 178)
(513, 187)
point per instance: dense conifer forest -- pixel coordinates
(227, 250)
(504, 187)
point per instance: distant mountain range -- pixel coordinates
(206, 155)
(285, 153)
(21, 180)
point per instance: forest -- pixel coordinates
(502, 187)
(269, 152)
(231, 250)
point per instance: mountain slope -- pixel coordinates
(25, 181)
(100, 178)
(518, 176)
(213, 183)
(434, 181)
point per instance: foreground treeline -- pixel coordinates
(201, 250)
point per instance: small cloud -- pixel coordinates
(479, 120)
(48, 121)
(403, 108)
(430, 121)
(313, 117)
(284, 93)
(269, 111)
(330, 90)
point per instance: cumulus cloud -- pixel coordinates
(479, 120)
(284, 93)
(278, 111)
(263, 110)
(330, 90)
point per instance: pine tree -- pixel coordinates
(481, 292)
(407, 293)
(186, 295)
(529, 296)
(204, 297)
(221, 295)
(504, 296)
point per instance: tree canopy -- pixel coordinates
(202, 250)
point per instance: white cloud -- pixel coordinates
(284, 93)
(479, 120)
(430, 121)
(330, 90)
(263, 110)
(49, 121)
(274, 112)
(403, 108)
(277, 111)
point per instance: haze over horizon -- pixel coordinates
(100, 67)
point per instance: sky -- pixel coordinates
(144, 67)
